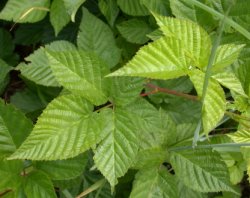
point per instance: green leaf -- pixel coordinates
(151, 157)
(25, 11)
(230, 81)
(10, 173)
(37, 184)
(118, 150)
(4, 77)
(6, 46)
(12, 135)
(72, 7)
(64, 169)
(125, 90)
(38, 70)
(214, 103)
(109, 9)
(195, 40)
(82, 73)
(154, 183)
(237, 173)
(162, 59)
(149, 123)
(201, 170)
(241, 136)
(184, 9)
(133, 7)
(157, 6)
(135, 30)
(226, 55)
(184, 191)
(57, 13)
(96, 36)
(66, 128)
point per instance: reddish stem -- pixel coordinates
(168, 91)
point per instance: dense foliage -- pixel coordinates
(125, 98)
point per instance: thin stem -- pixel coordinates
(67, 194)
(172, 92)
(209, 146)
(27, 12)
(231, 114)
(92, 188)
(5, 192)
(228, 21)
(208, 74)
(149, 93)
(107, 106)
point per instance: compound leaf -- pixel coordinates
(66, 128)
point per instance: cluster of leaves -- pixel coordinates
(113, 92)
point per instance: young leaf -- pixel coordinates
(118, 150)
(201, 170)
(133, 7)
(57, 13)
(64, 169)
(162, 59)
(135, 30)
(25, 10)
(154, 183)
(82, 73)
(230, 81)
(241, 136)
(12, 135)
(96, 36)
(37, 184)
(214, 103)
(226, 55)
(195, 40)
(109, 9)
(38, 70)
(66, 128)
(72, 7)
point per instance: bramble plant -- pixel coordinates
(125, 98)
